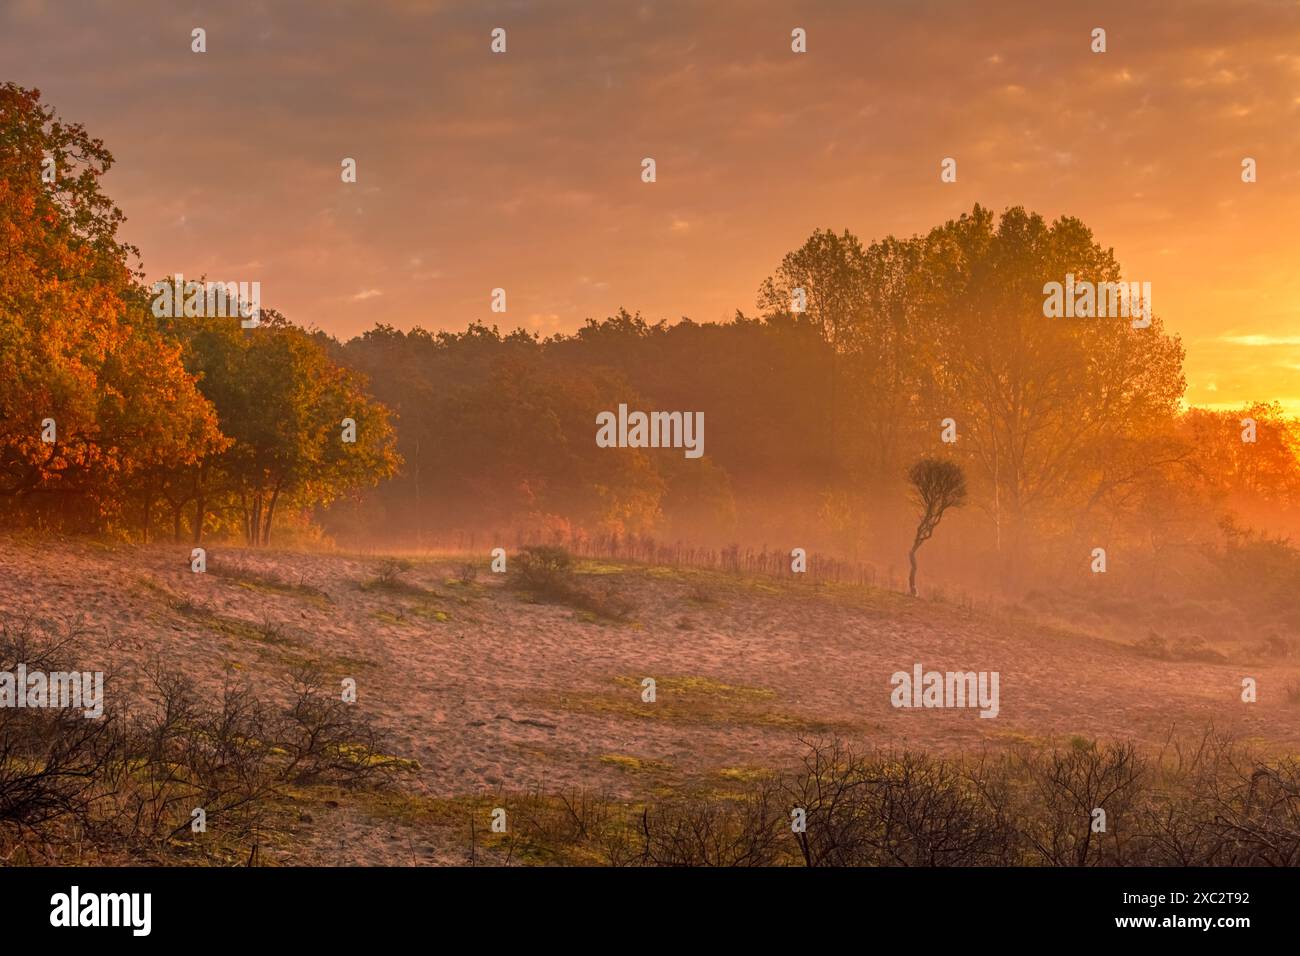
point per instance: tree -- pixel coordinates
(938, 485)
(829, 272)
(1057, 415)
(282, 401)
(77, 344)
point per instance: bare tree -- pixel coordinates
(938, 485)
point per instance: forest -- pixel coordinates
(856, 359)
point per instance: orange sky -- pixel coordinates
(523, 170)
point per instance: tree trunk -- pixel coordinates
(270, 514)
(200, 507)
(831, 434)
(911, 577)
(148, 514)
(255, 522)
(200, 513)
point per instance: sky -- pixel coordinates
(522, 170)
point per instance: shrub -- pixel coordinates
(124, 784)
(390, 571)
(711, 830)
(1210, 803)
(900, 809)
(545, 570)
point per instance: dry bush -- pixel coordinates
(580, 827)
(1205, 804)
(179, 754)
(718, 830)
(1215, 803)
(327, 740)
(1066, 784)
(123, 786)
(588, 828)
(51, 763)
(900, 809)
(388, 575)
(604, 600)
(546, 573)
(51, 760)
(544, 570)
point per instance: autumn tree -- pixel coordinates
(1059, 418)
(937, 485)
(283, 403)
(84, 363)
(824, 282)
(1247, 460)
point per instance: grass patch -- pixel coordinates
(403, 616)
(700, 687)
(745, 774)
(265, 632)
(691, 700)
(597, 568)
(267, 582)
(430, 613)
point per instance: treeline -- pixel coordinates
(1071, 431)
(114, 420)
(859, 360)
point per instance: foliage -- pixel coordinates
(149, 416)
(77, 344)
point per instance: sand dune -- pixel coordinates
(488, 691)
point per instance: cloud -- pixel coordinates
(523, 170)
(1263, 341)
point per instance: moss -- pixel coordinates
(428, 612)
(599, 568)
(363, 757)
(1015, 737)
(673, 574)
(271, 585)
(699, 686)
(690, 700)
(745, 774)
(424, 810)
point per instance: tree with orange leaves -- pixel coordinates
(92, 394)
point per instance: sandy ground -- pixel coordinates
(488, 691)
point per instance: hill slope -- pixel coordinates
(490, 691)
